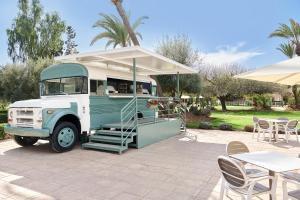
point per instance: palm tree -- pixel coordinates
(292, 34)
(115, 31)
(122, 13)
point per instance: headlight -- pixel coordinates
(10, 116)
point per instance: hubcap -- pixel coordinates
(66, 137)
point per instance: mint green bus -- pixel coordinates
(100, 99)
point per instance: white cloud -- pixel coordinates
(229, 54)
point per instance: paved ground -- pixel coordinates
(177, 168)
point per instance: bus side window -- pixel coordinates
(97, 88)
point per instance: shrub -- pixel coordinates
(200, 111)
(3, 117)
(205, 125)
(262, 101)
(225, 127)
(248, 128)
(2, 134)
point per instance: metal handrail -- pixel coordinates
(124, 111)
(129, 119)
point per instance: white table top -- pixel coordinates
(273, 161)
(277, 120)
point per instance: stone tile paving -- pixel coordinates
(177, 168)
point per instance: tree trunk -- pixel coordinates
(296, 96)
(122, 13)
(223, 103)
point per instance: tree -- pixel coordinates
(33, 35)
(70, 43)
(21, 81)
(130, 29)
(179, 48)
(292, 34)
(115, 30)
(219, 82)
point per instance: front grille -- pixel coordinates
(25, 112)
(25, 117)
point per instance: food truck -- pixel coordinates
(106, 99)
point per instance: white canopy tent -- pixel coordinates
(285, 72)
(147, 62)
(135, 60)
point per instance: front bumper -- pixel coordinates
(29, 132)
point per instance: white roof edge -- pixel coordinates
(124, 49)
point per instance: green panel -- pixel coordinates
(105, 110)
(30, 132)
(152, 133)
(50, 120)
(64, 70)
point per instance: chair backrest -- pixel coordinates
(233, 173)
(263, 124)
(255, 119)
(292, 124)
(236, 147)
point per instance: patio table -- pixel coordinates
(274, 162)
(276, 123)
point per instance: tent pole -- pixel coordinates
(134, 77)
(177, 89)
(134, 85)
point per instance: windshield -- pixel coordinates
(64, 86)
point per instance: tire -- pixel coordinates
(25, 141)
(64, 137)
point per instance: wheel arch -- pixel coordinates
(64, 116)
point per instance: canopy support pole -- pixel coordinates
(134, 86)
(177, 89)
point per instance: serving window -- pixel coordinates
(97, 88)
(120, 86)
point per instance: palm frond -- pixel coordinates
(287, 49)
(139, 22)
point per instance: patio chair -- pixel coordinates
(237, 147)
(255, 125)
(290, 128)
(265, 127)
(234, 178)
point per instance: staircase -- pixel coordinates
(115, 137)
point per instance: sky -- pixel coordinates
(223, 31)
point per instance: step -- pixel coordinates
(109, 139)
(116, 125)
(105, 147)
(111, 132)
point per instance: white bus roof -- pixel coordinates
(121, 59)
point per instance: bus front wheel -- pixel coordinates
(25, 141)
(64, 137)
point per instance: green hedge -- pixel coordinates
(2, 134)
(3, 117)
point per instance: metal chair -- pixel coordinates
(234, 178)
(237, 147)
(290, 128)
(265, 127)
(292, 177)
(255, 125)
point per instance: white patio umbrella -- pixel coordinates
(286, 72)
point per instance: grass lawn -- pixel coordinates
(239, 118)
